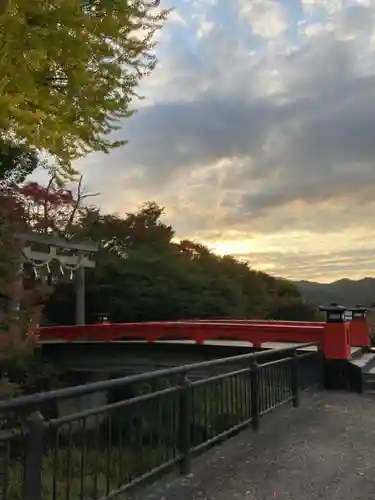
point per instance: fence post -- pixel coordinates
(184, 437)
(255, 394)
(295, 380)
(32, 486)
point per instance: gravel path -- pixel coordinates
(323, 450)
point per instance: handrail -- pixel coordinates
(125, 440)
(80, 390)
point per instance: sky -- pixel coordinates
(257, 134)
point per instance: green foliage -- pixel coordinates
(124, 464)
(135, 439)
(142, 274)
(17, 161)
(25, 368)
(69, 70)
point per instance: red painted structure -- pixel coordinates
(359, 328)
(336, 341)
(335, 338)
(261, 322)
(184, 330)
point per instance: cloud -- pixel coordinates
(267, 18)
(324, 261)
(323, 268)
(259, 119)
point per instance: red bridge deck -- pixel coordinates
(255, 333)
(335, 338)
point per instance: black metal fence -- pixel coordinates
(140, 426)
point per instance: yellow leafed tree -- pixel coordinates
(69, 70)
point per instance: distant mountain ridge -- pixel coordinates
(344, 291)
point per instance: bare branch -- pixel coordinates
(45, 204)
(81, 196)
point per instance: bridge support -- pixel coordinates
(336, 348)
(359, 327)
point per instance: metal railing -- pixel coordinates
(145, 425)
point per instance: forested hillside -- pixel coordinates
(345, 291)
(144, 274)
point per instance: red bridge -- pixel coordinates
(336, 336)
(186, 408)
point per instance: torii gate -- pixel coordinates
(76, 262)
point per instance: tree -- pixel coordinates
(143, 274)
(17, 307)
(21, 297)
(40, 209)
(17, 161)
(69, 70)
(52, 209)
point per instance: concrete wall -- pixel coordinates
(126, 358)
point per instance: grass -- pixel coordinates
(100, 474)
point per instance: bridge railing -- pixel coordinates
(131, 437)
